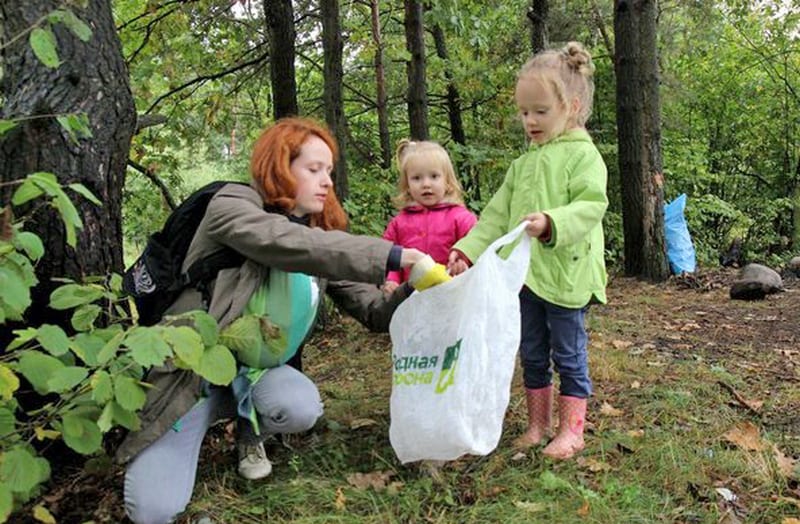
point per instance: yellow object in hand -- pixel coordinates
(427, 273)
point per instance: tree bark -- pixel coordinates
(538, 14)
(639, 138)
(280, 26)
(91, 79)
(332, 91)
(415, 69)
(380, 84)
(454, 116)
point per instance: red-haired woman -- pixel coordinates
(290, 227)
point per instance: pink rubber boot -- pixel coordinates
(571, 416)
(540, 405)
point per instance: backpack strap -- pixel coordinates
(204, 270)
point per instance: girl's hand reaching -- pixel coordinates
(456, 263)
(389, 286)
(538, 226)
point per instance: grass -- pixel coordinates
(658, 446)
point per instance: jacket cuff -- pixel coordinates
(395, 257)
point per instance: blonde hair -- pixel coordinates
(569, 71)
(433, 155)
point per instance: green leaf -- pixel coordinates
(47, 182)
(43, 42)
(126, 418)
(9, 382)
(186, 343)
(15, 295)
(70, 217)
(23, 336)
(53, 339)
(206, 325)
(128, 393)
(115, 282)
(77, 126)
(6, 501)
(87, 346)
(26, 191)
(113, 414)
(102, 387)
(6, 125)
(18, 470)
(73, 23)
(110, 348)
(38, 368)
(30, 243)
(147, 346)
(73, 295)
(83, 318)
(67, 378)
(218, 365)
(85, 193)
(7, 422)
(81, 434)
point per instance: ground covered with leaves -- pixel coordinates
(695, 419)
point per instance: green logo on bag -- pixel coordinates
(416, 370)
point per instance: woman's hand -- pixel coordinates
(410, 257)
(456, 263)
(539, 225)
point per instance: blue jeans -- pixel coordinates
(551, 332)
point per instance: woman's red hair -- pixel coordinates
(273, 154)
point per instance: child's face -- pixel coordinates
(426, 183)
(543, 115)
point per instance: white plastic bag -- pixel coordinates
(453, 355)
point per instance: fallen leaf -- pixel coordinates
(790, 520)
(376, 480)
(532, 507)
(362, 423)
(786, 465)
(636, 384)
(610, 411)
(518, 456)
(621, 344)
(746, 436)
(636, 433)
(584, 510)
(593, 465)
(341, 499)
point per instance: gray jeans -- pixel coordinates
(159, 481)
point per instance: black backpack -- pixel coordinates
(155, 280)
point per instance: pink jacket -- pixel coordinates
(431, 230)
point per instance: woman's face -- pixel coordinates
(312, 172)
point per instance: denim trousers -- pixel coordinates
(554, 337)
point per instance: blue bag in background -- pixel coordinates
(680, 250)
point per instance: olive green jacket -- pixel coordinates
(349, 267)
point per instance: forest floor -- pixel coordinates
(695, 419)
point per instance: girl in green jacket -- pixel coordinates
(559, 187)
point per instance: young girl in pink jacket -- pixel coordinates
(432, 215)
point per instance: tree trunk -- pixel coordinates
(639, 137)
(280, 26)
(380, 81)
(454, 110)
(538, 14)
(332, 91)
(91, 79)
(415, 69)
